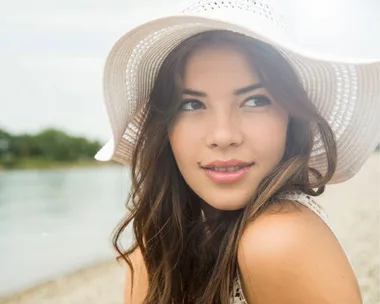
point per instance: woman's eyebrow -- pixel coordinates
(248, 89)
(236, 92)
(194, 93)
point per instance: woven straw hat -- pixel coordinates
(346, 91)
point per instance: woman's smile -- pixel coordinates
(227, 175)
(227, 171)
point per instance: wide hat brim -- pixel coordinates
(346, 91)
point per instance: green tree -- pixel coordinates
(48, 145)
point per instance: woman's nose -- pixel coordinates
(224, 131)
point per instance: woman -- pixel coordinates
(230, 129)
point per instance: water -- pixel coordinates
(55, 221)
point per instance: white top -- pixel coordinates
(237, 296)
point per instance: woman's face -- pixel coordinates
(229, 133)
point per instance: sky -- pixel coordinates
(52, 52)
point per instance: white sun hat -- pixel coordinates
(346, 91)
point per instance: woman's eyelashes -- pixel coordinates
(191, 105)
(252, 101)
(256, 101)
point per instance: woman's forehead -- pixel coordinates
(219, 65)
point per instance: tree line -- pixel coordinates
(47, 146)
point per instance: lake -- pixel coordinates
(55, 221)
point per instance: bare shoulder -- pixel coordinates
(292, 256)
(138, 293)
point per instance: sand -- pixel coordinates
(100, 283)
(353, 209)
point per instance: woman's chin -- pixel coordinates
(228, 204)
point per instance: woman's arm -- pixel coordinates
(140, 282)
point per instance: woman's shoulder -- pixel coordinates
(288, 245)
(286, 222)
(283, 223)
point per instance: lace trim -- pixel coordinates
(237, 296)
(237, 291)
(307, 201)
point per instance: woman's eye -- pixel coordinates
(256, 101)
(191, 105)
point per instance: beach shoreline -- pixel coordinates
(83, 285)
(55, 165)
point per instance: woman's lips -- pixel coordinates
(227, 176)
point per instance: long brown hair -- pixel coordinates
(190, 258)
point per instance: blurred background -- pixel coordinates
(58, 207)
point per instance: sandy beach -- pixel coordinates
(100, 283)
(353, 210)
